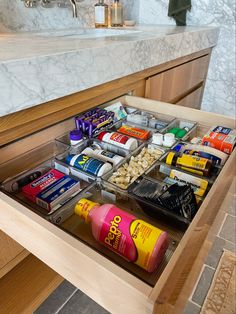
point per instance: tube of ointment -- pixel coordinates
(215, 155)
(184, 177)
(15, 184)
(134, 132)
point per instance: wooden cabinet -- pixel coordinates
(117, 285)
(192, 100)
(11, 253)
(178, 82)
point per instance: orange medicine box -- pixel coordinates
(221, 138)
(135, 132)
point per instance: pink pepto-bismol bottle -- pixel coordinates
(134, 239)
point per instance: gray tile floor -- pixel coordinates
(225, 240)
(66, 299)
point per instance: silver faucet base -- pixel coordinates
(51, 3)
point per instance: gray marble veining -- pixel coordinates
(37, 69)
(220, 90)
(219, 93)
(15, 17)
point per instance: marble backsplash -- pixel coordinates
(15, 17)
(220, 91)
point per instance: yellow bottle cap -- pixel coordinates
(83, 208)
(169, 158)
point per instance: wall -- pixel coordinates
(220, 88)
(14, 16)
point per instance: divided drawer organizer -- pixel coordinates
(65, 243)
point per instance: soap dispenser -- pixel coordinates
(101, 14)
(116, 14)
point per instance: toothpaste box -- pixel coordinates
(221, 138)
(51, 190)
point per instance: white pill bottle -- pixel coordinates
(119, 139)
(104, 155)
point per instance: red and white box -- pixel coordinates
(221, 138)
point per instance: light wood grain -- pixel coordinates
(178, 81)
(13, 261)
(202, 117)
(192, 100)
(24, 288)
(7, 245)
(9, 250)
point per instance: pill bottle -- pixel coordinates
(103, 155)
(88, 164)
(76, 137)
(178, 132)
(169, 139)
(182, 132)
(217, 157)
(118, 139)
(137, 118)
(157, 138)
(198, 165)
(134, 239)
(174, 130)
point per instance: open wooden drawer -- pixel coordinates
(117, 287)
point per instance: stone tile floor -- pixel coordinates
(224, 240)
(66, 299)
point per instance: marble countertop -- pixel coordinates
(38, 67)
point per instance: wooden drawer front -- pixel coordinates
(105, 281)
(192, 100)
(177, 82)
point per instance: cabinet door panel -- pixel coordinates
(192, 100)
(9, 249)
(177, 82)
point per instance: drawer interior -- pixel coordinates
(100, 191)
(43, 156)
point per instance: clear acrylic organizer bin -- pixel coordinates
(130, 164)
(181, 123)
(37, 161)
(215, 170)
(160, 171)
(156, 122)
(100, 193)
(154, 210)
(60, 160)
